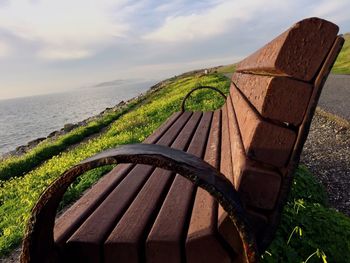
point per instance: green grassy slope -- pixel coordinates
(342, 65)
(226, 69)
(322, 228)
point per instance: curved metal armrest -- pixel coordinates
(197, 88)
(38, 244)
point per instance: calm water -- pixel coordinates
(25, 119)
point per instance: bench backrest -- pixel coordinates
(272, 99)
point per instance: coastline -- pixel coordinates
(68, 127)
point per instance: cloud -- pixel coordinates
(64, 29)
(209, 22)
(5, 49)
(64, 54)
(337, 11)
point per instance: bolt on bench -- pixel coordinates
(241, 156)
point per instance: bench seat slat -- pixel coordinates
(203, 242)
(224, 225)
(85, 243)
(125, 239)
(164, 243)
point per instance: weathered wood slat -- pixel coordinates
(203, 243)
(258, 186)
(225, 228)
(298, 52)
(68, 222)
(85, 243)
(164, 243)
(125, 241)
(263, 141)
(276, 98)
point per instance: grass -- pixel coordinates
(324, 230)
(18, 195)
(320, 228)
(342, 64)
(226, 69)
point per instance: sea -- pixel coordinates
(28, 118)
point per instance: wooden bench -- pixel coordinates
(250, 147)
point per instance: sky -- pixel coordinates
(49, 46)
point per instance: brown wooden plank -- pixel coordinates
(166, 240)
(225, 158)
(298, 52)
(68, 222)
(288, 172)
(125, 240)
(258, 186)
(230, 138)
(203, 243)
(85, 242)
(277, 98)
(225, 226)
(263, 141)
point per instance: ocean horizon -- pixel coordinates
(25, 119)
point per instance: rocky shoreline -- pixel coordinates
(68, 127)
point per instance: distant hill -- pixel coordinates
(342, 65)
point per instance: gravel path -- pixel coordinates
(327, 154)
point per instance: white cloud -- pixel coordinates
(63, 26)
(64, 54)
(209, 23)
(5, 50)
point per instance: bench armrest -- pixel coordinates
(38, 244)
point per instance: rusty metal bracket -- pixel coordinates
(197, 88)
(38, 245)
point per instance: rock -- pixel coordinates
(121, 103)
(53, 134)
(19, 150)
(69, 126)
(36, 142)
